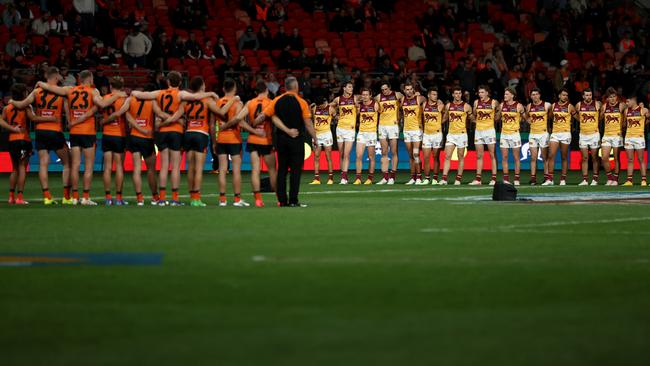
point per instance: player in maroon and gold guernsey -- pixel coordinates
(412, 115)
(636, 119)
(537, 113)
(16, 121)
(229, 143)
(323, 112)
(388, 132)
(457, 112)
(563, 113)
(169, 133)
(432, 111)
(114, 145)
(83, 101)
(346, 107)
(611, 114)
(486, 112)
(260, 139)
(588, 110)
(49, 135)
(512, 113)
(367, 136)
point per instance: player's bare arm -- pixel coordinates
(175, 117)
(22, 104)
(38, 119)
(141, 95)
(89, 113)
(193, 97)
(134, 124)
(118, 113)
(7, 126)
(58, 90)
(224, 112)
(103, 103)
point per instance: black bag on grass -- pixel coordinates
(504, 192)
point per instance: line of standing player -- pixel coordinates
(421, 121)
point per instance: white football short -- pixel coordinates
(432, 141)
(413, 136)
(485, 137)
(324, 139)
(591, 140)
(561, 137)
(388, 132)
(510, 140)
(634, 143)
(457, 139)
(367, 138)
(538, 140)
(344, 135)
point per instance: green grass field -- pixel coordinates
(364, 276)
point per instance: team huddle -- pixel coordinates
(171, 120)
(174, 120)
(422, 119)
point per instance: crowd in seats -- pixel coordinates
(530, 43)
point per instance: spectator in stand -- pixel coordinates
(444, 40)
(281, 40)
(25, 13)
(159, 51)
(416, 52)
(62, 59)
(285, 59)
(466, 74)
(41, 26)
(221, 49)
(208, 50)
(67, 79)
(370, 14)
(563, 76)
(10, 16)
(136, 47)
(77, 26)
(262, 8)
(272, 83)
(177, 49)
(78, 60)
(295, 41)
(93, 57)
(100, 80)
(59, 26)
(242, 65)
(342, 22)
(626, 44)
(86, 11)
(13, 48)
(278, 13)
(265, 38)
(248, 40)
(192, 48)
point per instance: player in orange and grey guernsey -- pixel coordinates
(512, 112)
(486, 112)
(114, 145)
(389, 107)
(537, 113)
(588, 110)
(432, 111)
(49, 135)
(82, 102)
(636, 119)
(563, 113)
(611, 114)
(412, 114)
(347, 109)
(16, 121)
(260, 139)
(322, 113)
(367, 136)
(200, 126)
(169, 134)
(139, 114)
(457, 112)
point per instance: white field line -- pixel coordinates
(407, 260)
(534, 228)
